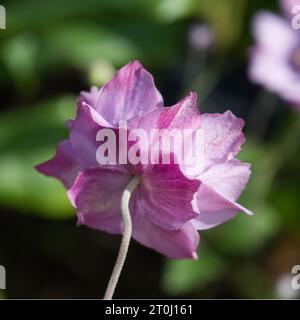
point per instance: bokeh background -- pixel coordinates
(49, 52)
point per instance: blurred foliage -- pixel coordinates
(183, 276)
(53, 49)
(2, 294)
(28, 137)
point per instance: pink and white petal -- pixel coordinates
(168, 122)
(130, 93)
(168, 195)
(146, 121)
(223, 137)
(83, 136)
(275, 74)
(265, 26)
(96, 194)
(214, 209)
(179, 121)
(228, 179)
(184, 114)
(89, 97)
(63, 165)
(184, 118)
(176, 244)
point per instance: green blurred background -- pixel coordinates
(49, 52)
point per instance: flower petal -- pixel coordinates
(96, 194)
(265, 26)
(89, 97)
(169, 123)
(272, 58)
(130, 93)
(184, 114)
(276, 75)
(168, 195)
(83, 136)
(213, 209)
(176, 244)
(63, 165)
(228, 179)
(223, 137)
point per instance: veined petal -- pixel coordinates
(168, 195)
(147, 120)
(83, 136)
(130, 93)
(228, 179)
(97, 194)
(63, 166)
(89, 97)
(184, 114)
(176, 244)
(170, 124)
(223, 137)
(213, 209)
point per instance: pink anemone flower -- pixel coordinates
(275, 58)
(168, 204)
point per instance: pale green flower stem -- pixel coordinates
(127, 225)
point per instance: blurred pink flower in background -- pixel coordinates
(275, 58)
(167, 206)
(201, 36)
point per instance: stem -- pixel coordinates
(125, 240)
